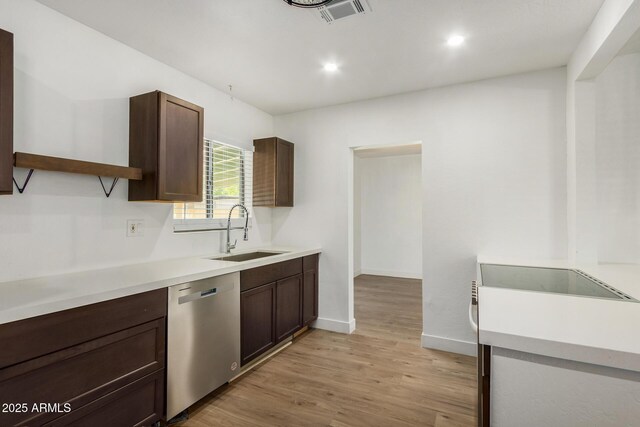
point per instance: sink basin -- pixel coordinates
(246, 257)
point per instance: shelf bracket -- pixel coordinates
(113, 184)
(26, 181)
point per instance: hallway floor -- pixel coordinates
(377, 376)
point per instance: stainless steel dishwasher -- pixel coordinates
(203, 339)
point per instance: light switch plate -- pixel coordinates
(135, 227)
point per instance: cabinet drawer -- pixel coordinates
(269, 273)
(83, 373)
(137, 404)
(30, 338)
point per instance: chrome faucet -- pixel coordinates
(246, 227)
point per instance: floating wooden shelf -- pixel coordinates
(58, 164)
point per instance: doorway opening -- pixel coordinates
(386, 236)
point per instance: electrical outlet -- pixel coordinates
(135, 227)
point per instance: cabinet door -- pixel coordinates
(180, 150)
(310, 297)
(310, 289)
(284, 173)
(257, 324)
(264, 172)
(6, 112)
(288, 306)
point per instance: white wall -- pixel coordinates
(72, 86)
(357, 216)
(617, 128)
(494, 183)
(614, 24)
(390, 199)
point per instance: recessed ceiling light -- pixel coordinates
(331, 67)
(455, 40)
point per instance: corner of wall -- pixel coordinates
(449, 344)
(335, 325)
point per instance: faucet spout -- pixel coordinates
(230, 246)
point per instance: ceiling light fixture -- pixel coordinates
(455, 40)
(331, 67)
(307, 3)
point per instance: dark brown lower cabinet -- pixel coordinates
(288, 306)
(310, 289)
(257, 321)
(81, 362)
(484, 385)
(137, 404)
(276, 301)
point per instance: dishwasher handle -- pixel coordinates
(195, 296)
(206, 291)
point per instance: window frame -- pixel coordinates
(218, 224)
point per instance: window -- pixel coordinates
(227, 181)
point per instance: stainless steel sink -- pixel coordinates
(246, 257)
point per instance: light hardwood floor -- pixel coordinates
(378, 376)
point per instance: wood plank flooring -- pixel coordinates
(389, 308)
(377, 376)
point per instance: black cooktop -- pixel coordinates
(553, 280)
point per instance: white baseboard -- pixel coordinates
(449, 344)
(389, 273)
(357, 273)
(335, 325)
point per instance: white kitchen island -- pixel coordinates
(562, 360)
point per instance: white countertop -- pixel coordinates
(33, 297)
(590, 330)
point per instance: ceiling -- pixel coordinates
(273, 53)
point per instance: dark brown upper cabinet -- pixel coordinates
(6, 112)
(272, 172)
(166, 141)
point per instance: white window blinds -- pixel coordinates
(227, 181)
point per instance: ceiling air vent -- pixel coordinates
(341, 9)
